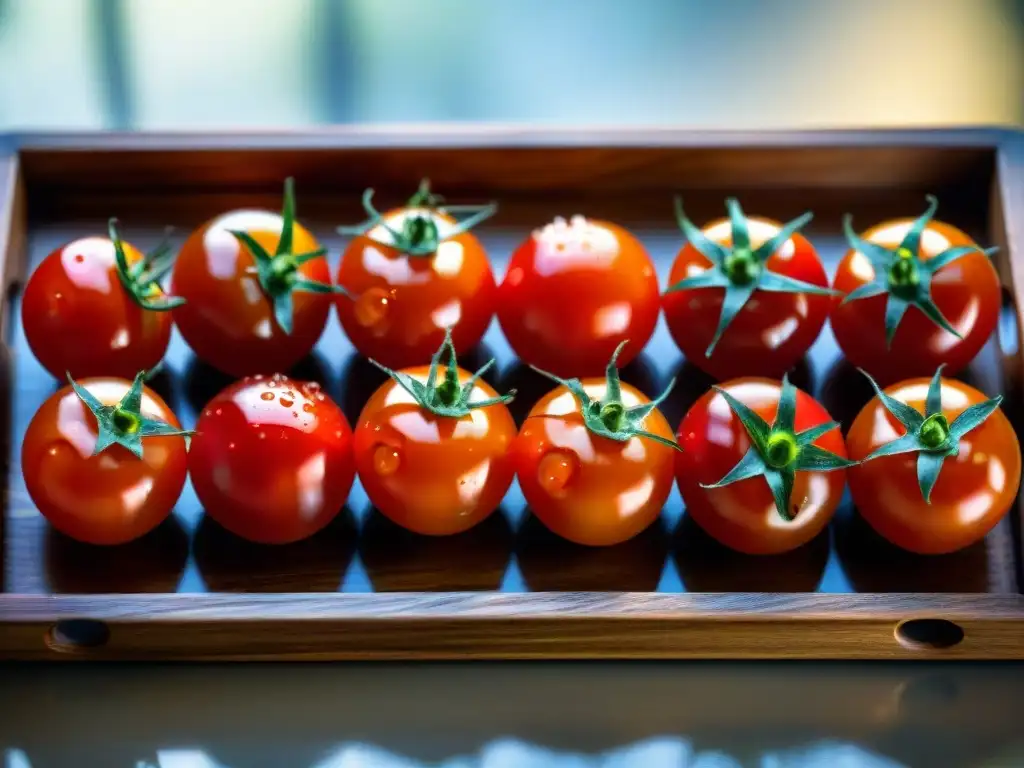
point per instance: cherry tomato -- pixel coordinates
(594, 460)
(433, 457)
(258, 290)
(573, 292)
(924, 273)
(974, 488)
(746, 295)
(271, 459)
(82, 476)
(416, 271)
(745, 512)
(86, 314)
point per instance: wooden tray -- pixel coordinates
(362, 589)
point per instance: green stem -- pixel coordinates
(781, 449)
(613, 416)
(125, 422)
(904, 275)
(935, 431)
(741, 266)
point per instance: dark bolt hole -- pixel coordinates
(928, 634)
(77, 634)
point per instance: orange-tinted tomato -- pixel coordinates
(586, 488)
(78, 317)
(112, 497)
(271, 459)
(974, 489)
(772, 331)
(228, 321)
(573, 292)
(743, 515)
(431, 474)
(403, 303)
(966, 291)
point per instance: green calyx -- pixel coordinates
(902, 275)
(740, 269)
(609, 417)
(142, 279)
(777, 452)
(123, 424)
(448, 397)
(278, 273)
(420, 234)
(930, 434)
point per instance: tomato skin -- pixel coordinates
(967, 292)
(110, 498)
(402, 304)
(586, 488)
(772, 331)
(573, 292)
(228, 321)
(271, 459)
(742, 515)
(430, 474)
(78, 317)
(974, 490)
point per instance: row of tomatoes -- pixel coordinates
(251, 292)
(932, 464)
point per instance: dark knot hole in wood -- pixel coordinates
(76, 635)
(928, 634)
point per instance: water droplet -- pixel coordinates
(58, 296)
(307, 407)
(338, 434)
(295, 414)
(267, 396)
(289, 393)
(386, 460)
(207, 412)
(312, 387)
(79, 258)
(286, 402)
(263, 435)
(372, 306)
(231, 446)
(257, 377)
(556, 471)
(219, 411)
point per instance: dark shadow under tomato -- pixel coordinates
(549, 563)
(203, 382)
(872, 564)
(707, 566)
(150, 564)
(360, 379)
(229, 563)
(531, 386)
(398, 560)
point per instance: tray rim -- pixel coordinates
(997, 619)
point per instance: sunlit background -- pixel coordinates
(178, 64)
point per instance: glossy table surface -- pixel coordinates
(185, 64)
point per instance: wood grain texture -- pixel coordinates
(507, 589)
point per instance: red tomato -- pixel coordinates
(974, 488)
(433, 457)
(885, 266)
(271, 459)
(258, 291)
(594, 460)
(85, 314)
(769, 323)
(745, 514)
(416, 270)
(573, 292)
(110, 495)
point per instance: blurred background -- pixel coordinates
(191, 64)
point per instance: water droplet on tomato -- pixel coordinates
(267, 396)
(312, 387)
(307, 407)
(556, 471)
(386, 460)
(286, 402)
(231, 446)
(219, 411)
(372, 306)
(79, 258)
(263, 435)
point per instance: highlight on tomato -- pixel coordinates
(762, 468)
(939, 464)
(271, 460)
(104, 459)
(95, 307)
(918, 293)
(417, 271)
(574, 292)
(594, 458)
(747, 295)
(258, 290)
(432, 447)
